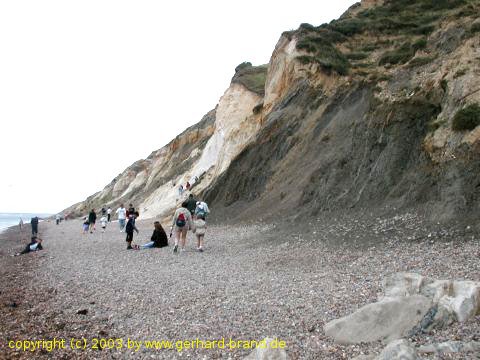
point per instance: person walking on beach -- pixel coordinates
(202, 209)
(20, 224)
(159, 238)
(191, 204)
(131, 210)
(122, 215)
(57, 219)
(103, 222)
(199, 230)
(129, 228)
(34, 225)
(85, 225)
(92, 218)
(109, 213)
(182, 221)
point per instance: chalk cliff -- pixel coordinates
(377, 108)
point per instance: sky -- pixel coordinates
(89, 87)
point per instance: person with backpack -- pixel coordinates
(202, 210)
(182, 221)
(129, 228)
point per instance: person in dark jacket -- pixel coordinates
(35, 245)
(191, 204)
(129, 228)
(159, 238)
(34, 224)
(92, 217)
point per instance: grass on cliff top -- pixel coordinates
(323, 53)
(467, 118)
(252, 77)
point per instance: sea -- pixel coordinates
(11, 219)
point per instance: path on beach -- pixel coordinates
(251, 282)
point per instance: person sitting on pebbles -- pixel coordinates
(35, 245)
(158, 240)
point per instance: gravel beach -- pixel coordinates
(253, 281)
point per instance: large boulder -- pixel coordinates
(388, 319)
(398, 350)
(268, 352)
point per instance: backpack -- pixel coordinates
(181, 221)
(201, 212)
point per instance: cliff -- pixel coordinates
(378, 108)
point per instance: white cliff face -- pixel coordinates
(235, 127)
(281, 70)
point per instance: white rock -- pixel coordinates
(450, 347)
(388, 319)
(398, 350)
(465, 302)
(402, 284)
(267, 352)
(437, 289)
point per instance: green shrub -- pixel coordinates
(475, 27)
(419, 44)
(369, 48)
(444, 84)
(460, 73)
(420, 61)
(467, 119)
(356, 55)
(252, 77)
(243, 65)
(307, 26)
(422, 30)
(324, 54)
(398, 56)
(349, 27)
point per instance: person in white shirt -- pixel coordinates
(122, 215)
(103, 221)
(109, 213)
(202, 209)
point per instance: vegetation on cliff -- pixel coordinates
(252, 77)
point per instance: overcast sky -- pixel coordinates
(89, 87)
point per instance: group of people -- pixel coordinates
(191, 216)
(89, 222)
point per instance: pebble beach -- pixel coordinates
(252, 281)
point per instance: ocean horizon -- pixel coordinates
(11, 219)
